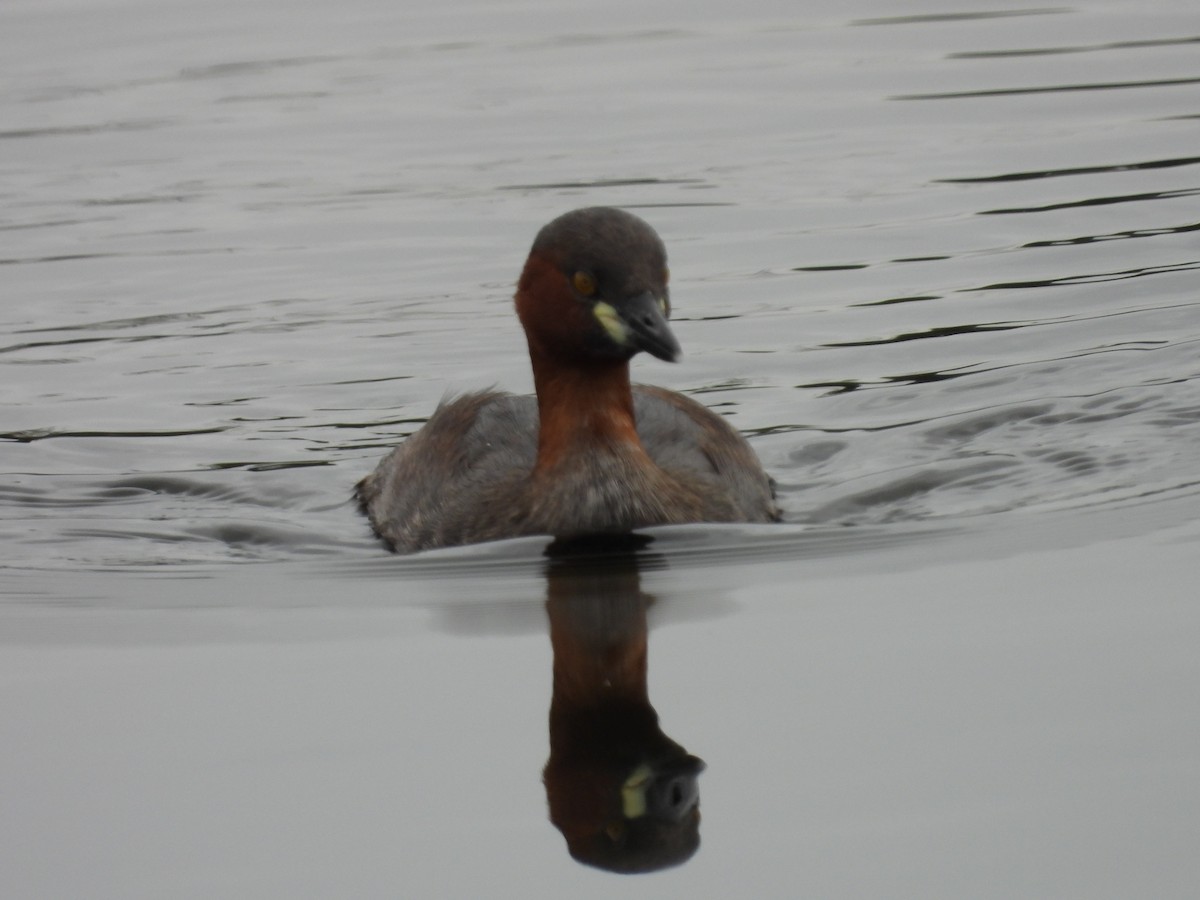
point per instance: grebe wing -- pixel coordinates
(435, 482)
(687, 438)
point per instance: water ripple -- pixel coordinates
(1094, 201)
(28, 436)
(1116, 236)
(91, 129)
(1048, 89)
(933, 18)
(1086, 48)
(1076, 170)
(1091, 278)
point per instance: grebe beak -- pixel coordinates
(646, 326)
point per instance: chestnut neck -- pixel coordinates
(582, 406)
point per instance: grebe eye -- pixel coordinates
(584, 283)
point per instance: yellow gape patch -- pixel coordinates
(607, 316)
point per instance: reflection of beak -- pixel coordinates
(646, 326)
(670, 792)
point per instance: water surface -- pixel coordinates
(939, 264)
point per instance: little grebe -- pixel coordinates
(591, 454)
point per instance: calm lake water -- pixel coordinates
(940, 262)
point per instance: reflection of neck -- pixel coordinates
(587, 405)
(599, 654)
(613, 776)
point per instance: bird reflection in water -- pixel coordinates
(624, 795)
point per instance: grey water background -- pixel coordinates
(938, 261)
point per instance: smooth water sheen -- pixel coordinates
(940, 263)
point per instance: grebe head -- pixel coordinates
(594, 289)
